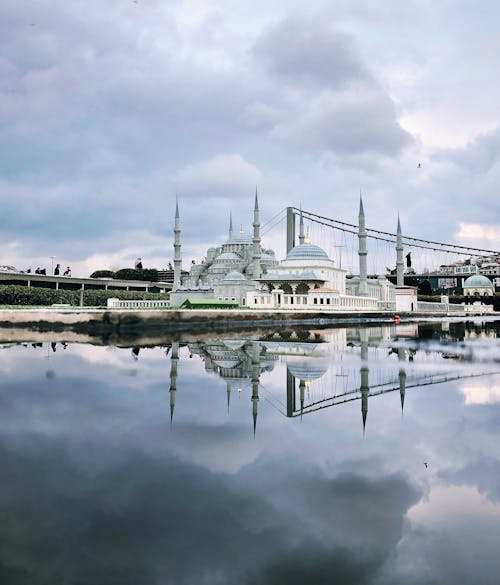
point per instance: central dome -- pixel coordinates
(306, 252)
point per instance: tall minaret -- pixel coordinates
(174, 360)
(400, 279)
(301, 231)
(257, 272)
(230, 225)
(255, 381)
(177, 249)
(362, 252)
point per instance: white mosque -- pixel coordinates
(241, 270)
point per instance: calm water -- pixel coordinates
(363, 456)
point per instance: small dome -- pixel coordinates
(306, 252)
(478, 281)
(234, 275)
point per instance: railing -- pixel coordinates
(442, 308)
(387, 306)
(120, 304)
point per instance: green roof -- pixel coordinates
(206, 303)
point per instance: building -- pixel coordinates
(242, 270)
(478, 286)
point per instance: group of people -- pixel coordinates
(57, 270)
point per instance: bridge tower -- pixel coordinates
(290, 229)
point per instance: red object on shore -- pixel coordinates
(397, 318)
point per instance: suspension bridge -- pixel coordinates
(444, 265)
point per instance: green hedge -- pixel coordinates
(23, 295)
(150, 274)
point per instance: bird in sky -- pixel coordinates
(419, 166)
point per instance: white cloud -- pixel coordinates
(225, 175)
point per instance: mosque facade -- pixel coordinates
(242, 270)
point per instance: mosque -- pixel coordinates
(243, 271)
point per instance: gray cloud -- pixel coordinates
(306, 50)
(352, 122)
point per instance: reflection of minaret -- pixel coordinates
(365, 387)
(362, 251)
(257, 273)
(402, 378)
(400, 280)
(174, 359)
(302, 387)
(177, 250)
(255, 381)
(228, 390)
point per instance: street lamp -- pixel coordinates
(52, 258)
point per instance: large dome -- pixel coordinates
(234, 275)
(477, 281)
(306, 252)
(240, 239)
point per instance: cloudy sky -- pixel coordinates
(108, 109)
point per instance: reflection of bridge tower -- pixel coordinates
(174, 360)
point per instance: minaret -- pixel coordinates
(365, 387)
(362, 252)
(257, 272)
(174, 360)
(177, 250)
(230, 225)
(255, 381)
(301, 231)
(400, 280)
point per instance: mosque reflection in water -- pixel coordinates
(319, 376)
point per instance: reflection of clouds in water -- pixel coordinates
(451, 538)
(482, 391)
(149, 519)
(482, 473)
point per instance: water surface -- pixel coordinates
(360, 455)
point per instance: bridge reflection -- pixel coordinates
(333, 367)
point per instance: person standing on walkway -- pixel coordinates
(57, 269)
